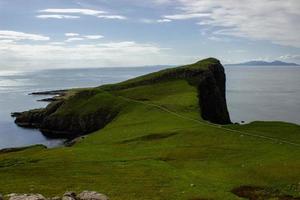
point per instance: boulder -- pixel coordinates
(91, 195)
(70, 195)
(68, 198)
(10, 195)
(55, 198)
(26, 197)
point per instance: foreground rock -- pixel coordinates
(26, 197)
(85, 195)
(69, 196)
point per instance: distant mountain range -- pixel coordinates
(264, 63)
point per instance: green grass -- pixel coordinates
(165, 75)
(148, 153)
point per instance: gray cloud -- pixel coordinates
(273, 20)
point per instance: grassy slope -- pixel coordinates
(148, 153)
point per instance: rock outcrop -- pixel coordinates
(85, 195)
(60, 119)
(26, 197)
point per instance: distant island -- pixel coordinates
(264, 63)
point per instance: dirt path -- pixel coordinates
(276, 140)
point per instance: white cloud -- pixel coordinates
(153, 21)
(56, 43)
(214, 38)
(72, 39)
(290, 57)
(14, 35)
(186, 16)
(112, 17)
(57, 17)
(7, 41)
(71, 34)
(273, 20)
(73, 13)
(163, 20)
(94, 37)
(126, 53)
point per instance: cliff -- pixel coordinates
(92, 109)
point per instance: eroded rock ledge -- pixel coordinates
(85, 112)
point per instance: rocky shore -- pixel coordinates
(56, 95)
(85, 195)
(53, 92)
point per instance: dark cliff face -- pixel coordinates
(34, 118)
(212, 95)
(93, 109)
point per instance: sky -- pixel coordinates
(40, 34)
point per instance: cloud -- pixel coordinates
(290, 57)
(72, 39)
(271, 20)
(57, 17)
(73, 13)
(71, 34)
(112, 17)
(186, 16)
(153, 21)
(124, 53)
(214, 38)
(164, 20)
(94, 37)
(15, 36)
(7, 41)
(56, 43)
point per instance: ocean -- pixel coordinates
(253, 93)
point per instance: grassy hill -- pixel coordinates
(156, 145)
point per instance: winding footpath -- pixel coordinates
(273, 139)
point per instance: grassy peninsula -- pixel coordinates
(166, 135)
